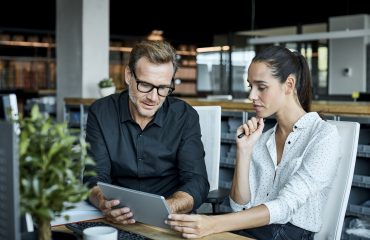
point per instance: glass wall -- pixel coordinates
(223, 72)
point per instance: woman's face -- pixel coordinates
(267, 93)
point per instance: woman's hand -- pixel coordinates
(250, 131)
(192, 226)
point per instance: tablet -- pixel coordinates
(147, 208)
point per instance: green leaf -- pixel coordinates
(51, 161)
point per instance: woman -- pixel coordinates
(282, 176)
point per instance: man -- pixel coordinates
(144, 139)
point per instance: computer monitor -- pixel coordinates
(8, 107)
(12, 224)
(9, 182)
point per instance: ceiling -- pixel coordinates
(187, 22)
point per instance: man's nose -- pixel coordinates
(153, 95)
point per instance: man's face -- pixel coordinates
(145, 105)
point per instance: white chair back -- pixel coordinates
(210, 125)
(336, 205)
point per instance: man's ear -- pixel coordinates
(290, 84)
(127, 76)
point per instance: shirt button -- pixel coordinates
(243, 208)
(295, 127)
(267, 194)
(289, 142)
(140, 159)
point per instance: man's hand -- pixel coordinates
(112, 214)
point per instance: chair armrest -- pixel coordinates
(216, 197)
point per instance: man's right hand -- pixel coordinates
(115, 215)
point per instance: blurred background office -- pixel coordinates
(215, 44)
(53, 50)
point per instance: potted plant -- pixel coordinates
(51, 162)
(107, 87)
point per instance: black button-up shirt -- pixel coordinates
(167, 156)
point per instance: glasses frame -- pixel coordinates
(138, 81)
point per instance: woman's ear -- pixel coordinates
(290, 84)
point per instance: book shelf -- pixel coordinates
(31, 73)
(28, 65)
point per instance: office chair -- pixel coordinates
(210, 125)
(335, 208)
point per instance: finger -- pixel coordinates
(127, 221)
(251, 126)
(239, 130)
(183, 217)
(174, 224)
(120, 211)
(190, 235)
(111, 203)
(124, 222)
(184, 229)
(246, 129)
(255, 122)
(124, 217)
(261, 124)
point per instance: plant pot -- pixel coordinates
(107, 91)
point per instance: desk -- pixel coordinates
(162, 234)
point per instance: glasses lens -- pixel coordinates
(164, 91)
(144, 87)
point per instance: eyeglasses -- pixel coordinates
(146, 87)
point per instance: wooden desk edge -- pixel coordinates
(325, 107)
(159, 233)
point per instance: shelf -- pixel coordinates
(363, 150)
(362, 211)
(21, 68)
(361, 181)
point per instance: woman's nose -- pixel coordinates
(252, 95)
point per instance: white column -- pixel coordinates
(82, 40)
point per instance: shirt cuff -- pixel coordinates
(277, 214)
(236, 207)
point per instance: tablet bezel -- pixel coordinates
(147, 208)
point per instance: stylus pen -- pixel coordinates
(241, 135)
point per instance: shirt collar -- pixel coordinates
(304, 122)
(126, 114)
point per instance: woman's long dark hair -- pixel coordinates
(284, 62)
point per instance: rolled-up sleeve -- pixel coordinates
(317, 172)
(191, 164)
